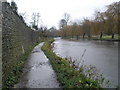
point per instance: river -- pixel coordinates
(101, 54)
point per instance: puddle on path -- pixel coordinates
(38, 72)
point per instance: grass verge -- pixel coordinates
(14, 75)
(66, 74)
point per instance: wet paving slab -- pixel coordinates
(38, 72)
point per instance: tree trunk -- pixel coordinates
(83, 35)
(101, 35)
(113, 36)
(77, 37)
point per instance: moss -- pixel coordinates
(66, 74)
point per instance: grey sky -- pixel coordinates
(51, 11)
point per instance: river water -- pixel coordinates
(101, 54)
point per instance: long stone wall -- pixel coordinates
(16, 38)
(0, 44)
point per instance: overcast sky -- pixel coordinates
(51, 11)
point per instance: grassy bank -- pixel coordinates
(15, 74)
(96, 37)
(107, 37)
(66, 74)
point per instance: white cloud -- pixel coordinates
(51, 11)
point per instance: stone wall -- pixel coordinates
(0, 44)
(16, 38)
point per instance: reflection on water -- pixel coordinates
(102, 54)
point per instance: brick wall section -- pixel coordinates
(16, 38)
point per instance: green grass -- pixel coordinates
(116, 37)
(66, 74)
(107, 37)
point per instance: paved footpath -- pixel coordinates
(38, 72)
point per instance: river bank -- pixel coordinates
(101, 54)
(67, 75)
(96, 39)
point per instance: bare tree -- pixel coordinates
(38, 16)
(104, 23)
(23, 16)
(35, 20)
(66, 17)
(62, 23)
